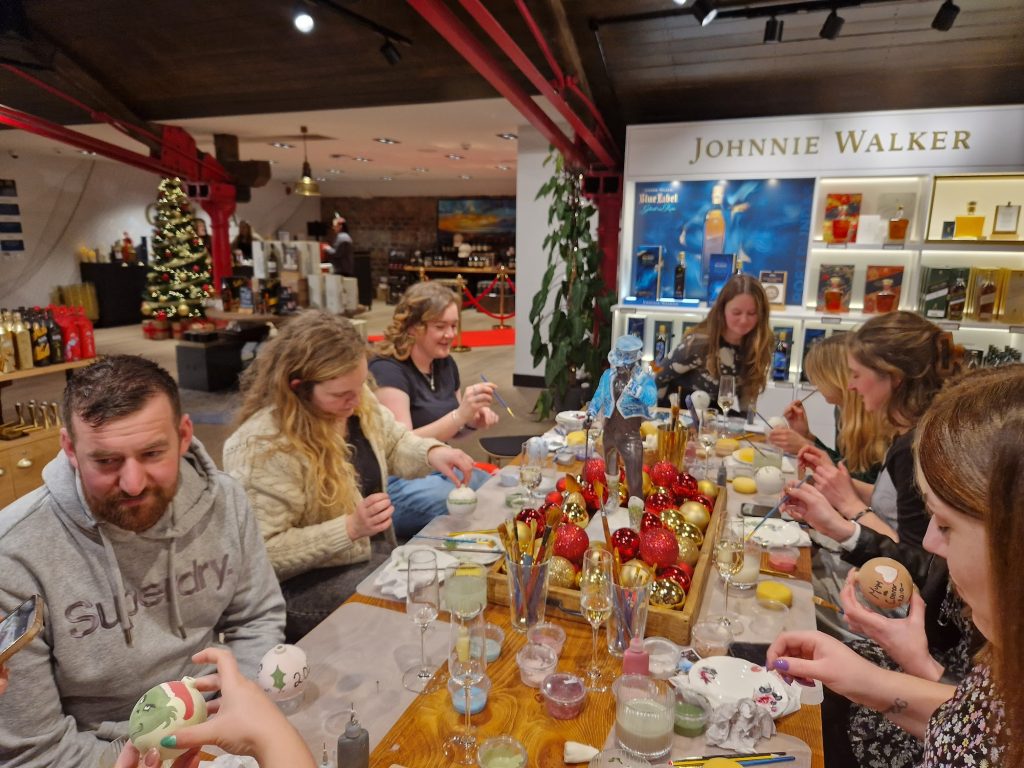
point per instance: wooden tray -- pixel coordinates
(662, 622)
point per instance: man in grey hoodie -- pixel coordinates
(145, 554)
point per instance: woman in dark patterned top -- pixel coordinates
(734, 339)
(971, 472)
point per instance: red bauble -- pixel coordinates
(626, 542)
(677, 574)
(527, 514)
(166, 277)
(658, 547)
(689, 481)
(553, 497)
(658, 500)
(709, 503)
(650, 520)
(571, 542)
(195, 267)
(560, 484)
(663, 474)
(593, 471)
(686, 568)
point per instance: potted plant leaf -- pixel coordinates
(571, 336)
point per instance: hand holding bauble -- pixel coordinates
(161, 711)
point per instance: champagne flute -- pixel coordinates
(422, 601)
(707, 437)
(534, 453)
(596, 603)
(729, 559)
(467, 662)
(726, 393)
(465, 589)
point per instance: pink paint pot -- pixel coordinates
(783, 558)
(563, 695)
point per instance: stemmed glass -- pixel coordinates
(467, 662)
(708, 436)
(465, 589)
(729, 559)
(421, 603)
(535, 451)
(726, 393)
(596, 603)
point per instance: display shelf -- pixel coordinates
(996, 219)
(880, 197)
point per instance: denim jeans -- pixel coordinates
(420, 500)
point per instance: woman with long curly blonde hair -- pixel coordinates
(418, 381)
(312, 450)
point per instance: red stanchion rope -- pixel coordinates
(479, 308)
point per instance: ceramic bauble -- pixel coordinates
(571, 542)
(636, 573)
(461, 501)
(626, 542)
(658, 547)
(672, 519)
(658, 500)
(668, 594)
(701, 400)
(696, 514)
(689, 551)
(163, 710)
(593, 471)
(561, 573)
(663, 474)
(885, 584)
(777, 422)
(649, 520)
(708, 488)
(282, 672)
(769, 480)
(679, 575)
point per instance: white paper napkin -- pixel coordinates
(393, 577)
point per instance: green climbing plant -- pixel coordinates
(572, 336)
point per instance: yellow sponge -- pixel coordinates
(772, 590)
(744, 485)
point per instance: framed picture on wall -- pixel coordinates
(774, 284)
(1006, 220)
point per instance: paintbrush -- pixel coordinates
(774, 509)
(753, 445)
(812, 393)
(478, 550)
(453, 540)
(762, 418)
(673, 401)
(498, 397)
(780, 574)
(826, 604)
(698, 760)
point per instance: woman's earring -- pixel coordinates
(295, 384)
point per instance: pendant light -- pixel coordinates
(306, 186)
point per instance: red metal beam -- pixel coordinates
(454, 31)
(497, 33)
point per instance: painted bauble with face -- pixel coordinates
(162, 711)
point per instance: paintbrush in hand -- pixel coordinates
(774, 509)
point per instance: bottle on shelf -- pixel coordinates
(841, 226)
(834, 295)
(780, 359)
(55, 338)
(898, 226)
(969, 227)
(885, 299)
(714, 232)
(957, 299)
(40, 341)
(986, 299)
(8, 355)
(85, 334)
(679, 284)
(660, 344)
(22, 342)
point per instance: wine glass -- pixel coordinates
(596, 603)
(421, 603)
(726, 393)
(465, 589)
(729, 559)
(467, 662)
(535, 451)
(708, 436)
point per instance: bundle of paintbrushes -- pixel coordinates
(526, 560)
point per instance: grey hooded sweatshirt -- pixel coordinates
(125, 611)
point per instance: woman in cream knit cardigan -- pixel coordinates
(313, 451)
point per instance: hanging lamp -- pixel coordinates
(306, 186)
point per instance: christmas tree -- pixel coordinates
(179, 265)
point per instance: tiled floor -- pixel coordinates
(213, 411)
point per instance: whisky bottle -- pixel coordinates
(898, 226)
(8, 357)
(679, 286)
(957, 299)
(986, 299)
(780, 359)
(834, 295)
(714, 232)
(885, 299)
(22, 343)
(660, 344)
(841, 226)
(969, 227)
(40, 341)
(55, 338)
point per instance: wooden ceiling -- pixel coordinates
(163, 60)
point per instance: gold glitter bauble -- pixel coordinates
(636, 573)
(560, 572)
(183, 309)
(147, 309)
(690, 531)
(594, 577)
(672, 519)
(577, 514)
(668, 594)
(575, 497)
(688, 551)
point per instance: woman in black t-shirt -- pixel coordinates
(419, 383)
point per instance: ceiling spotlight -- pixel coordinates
(389, 52)
(387, 178)
(303, 21)
(362, 159)
(334, 171)
(464, 177)
(705, 11)
(947, 14)
(282, 145)
(386, 140)
(508, 136)
(832, 26)
(773, 30)
(306, 186)
(420, 170)
(502, 167)
(454, 157)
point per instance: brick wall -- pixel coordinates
(379, 224)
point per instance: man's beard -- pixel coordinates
(136, 517)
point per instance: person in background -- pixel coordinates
(313, 450)
(144, 552)
(735, 339)
(418, 381)
(241, 246)
(970, 469)
(203, 233)
(339, 252)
